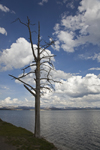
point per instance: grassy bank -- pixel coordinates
(22, 139)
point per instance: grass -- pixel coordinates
(23, 139)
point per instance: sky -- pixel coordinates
(74, 25)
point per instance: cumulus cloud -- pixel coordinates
(76, 86)
(81, 28)
(54, 74)
(58, 75)
(9, 101)
(18, 55)
(3, 31)
(42, 2)
(76, 91)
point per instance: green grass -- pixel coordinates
(23, 139)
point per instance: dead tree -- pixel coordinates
(42, 61)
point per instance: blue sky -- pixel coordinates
(74, 25)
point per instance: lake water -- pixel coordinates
(68, 130)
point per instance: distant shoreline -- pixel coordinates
(51, 108)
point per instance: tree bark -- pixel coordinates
(37, 102)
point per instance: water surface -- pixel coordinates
(68, 130)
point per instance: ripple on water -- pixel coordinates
(68, 130)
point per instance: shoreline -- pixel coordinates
(18, 138)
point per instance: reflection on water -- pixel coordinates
(68, 130)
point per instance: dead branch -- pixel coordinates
(19, 21)
(29, 22)
(33, 51)
(28, 66)
(30, 33)
(48, 67)
(30, 90)
(46, 46)
(48, 79)
(23, 82)
(43, 70)
(47, 57)
(50, 84)
(50, 63)
(24, 75)
(48, 73)
(45, 87)
(45, 52)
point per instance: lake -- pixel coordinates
(68, 129)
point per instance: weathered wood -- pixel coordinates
(37, 98)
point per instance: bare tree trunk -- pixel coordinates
(39, 60)
(37, 102)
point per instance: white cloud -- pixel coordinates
(4, 8)
(94, 68)
(3, 31)
(80, 29)
(18, 55)
(93, 57)
(8, 101)
(96, 56)
(76, 86)
(76, 91)
(67, 41)
(58, 75)
(42, 2)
